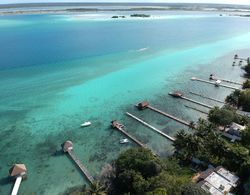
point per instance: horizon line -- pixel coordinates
(111, 2)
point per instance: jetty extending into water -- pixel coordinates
(214, 78)
(151, 127)
(67, 147)
(145, 104)
(18, 173)
(196, 109)
(206, 97)
(181, 95)
(116, 125)
(214, 83)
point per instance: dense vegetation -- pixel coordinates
(225, 116)
(239, 99)
(138, 171)
(140, 15)
(208, 145)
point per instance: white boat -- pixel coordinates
(124, 141)
(217, 83)
(86, 124)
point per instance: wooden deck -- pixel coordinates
(196, 109)
(196, 102)
(191, 100)
(151, 127)
(228, 81)
(169, 116)
(209, 98)
(120, 127)
(81, 167)
(213, 83)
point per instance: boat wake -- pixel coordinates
(142, 49)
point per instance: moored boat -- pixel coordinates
(86, 124)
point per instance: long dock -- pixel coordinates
(81, 167)
(228, 81)
(169, 116)
(196, 109)
(67, 147)
(151, 127)
(119, 127)
(203, 96)
(180, 95)
(213, 83)
(196, 102)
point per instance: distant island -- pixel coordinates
(118, 17)
(133, 15)
(43, 8)
(140, 15)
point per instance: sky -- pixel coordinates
(243, 2)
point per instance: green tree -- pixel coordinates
(247, 69)
(245, 135)
(221, 117)
(96, 189)
(244, 100)
(193, 189)
(246, 84)
(233, 99)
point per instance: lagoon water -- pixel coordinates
(57, 71)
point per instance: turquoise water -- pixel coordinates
(58, 71)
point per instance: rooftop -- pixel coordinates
(218, 180)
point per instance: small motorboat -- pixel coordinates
(217, 83)
(124, 141)
(86, 124)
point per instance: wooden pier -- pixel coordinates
(209, 98)
(214, 83)
(180, 95)
(169, 116)
(116, 125)
(196, 109)
(225, 80)
(151, 127)
(68, 148)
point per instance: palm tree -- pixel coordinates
(96, 188)
(192, 125)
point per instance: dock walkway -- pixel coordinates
(118, 126)
(81, 167)
(228, 81)
(180, 95)
(209, 98)
(213, 83)
(151, 127)
(169, 116)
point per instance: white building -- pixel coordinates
(218, 181)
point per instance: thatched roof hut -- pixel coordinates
(176, 94)
(67, 146)
(18, 170)
(143, 105)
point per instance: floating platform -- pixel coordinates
(151, 127)
(214, 83)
